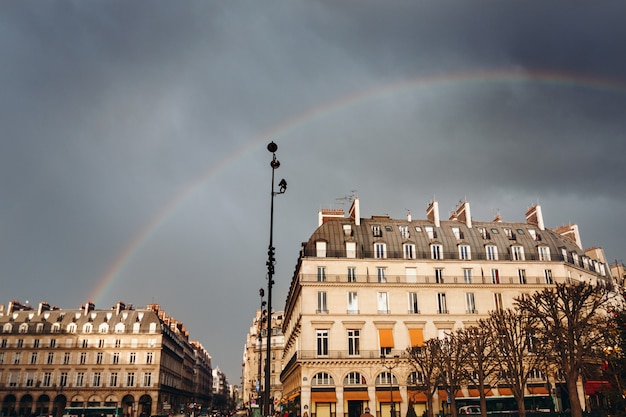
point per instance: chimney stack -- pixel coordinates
(570, 231)
(432, 212)
(355, 211)
(462, 214)
(534, 216)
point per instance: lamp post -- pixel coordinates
(272, 147)
(389, 366)
(260, 337)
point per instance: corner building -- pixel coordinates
(88, 362)
(368, 288)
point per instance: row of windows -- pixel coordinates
(84, 343)
(464, 252)
(383, 303)
(431, 232)
(384, 378)
(79, 379)
(72, 328)
(83, 358)
(411, 275)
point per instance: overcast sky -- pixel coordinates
(133, 160)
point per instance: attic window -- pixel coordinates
(376, 232)
(404, 231)
(320, 247)
(388, 228)
(347, 230)
(418, 229)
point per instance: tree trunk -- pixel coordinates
(574, 400)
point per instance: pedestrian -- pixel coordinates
(367, 413)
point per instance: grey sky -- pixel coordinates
(120, 118)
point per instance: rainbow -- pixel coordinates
(280, 131)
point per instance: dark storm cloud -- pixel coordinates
(110, 110)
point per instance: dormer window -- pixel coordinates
(544, 253)
(404, 231)
(376, 231)
(532, 233)
(464, 252)
(517, 253)
(320, 249)
(409, 250)
(484, 233)
(418, 229)
(431, 232)
(347, 230)
(492, 252)
(457, 233)
(436, 251)
(380, 250)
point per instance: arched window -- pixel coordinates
(322, 378)
(119, 328)
(56, 328)
(354, 378)
(104, 328)
(71, 328)
(87, 328)
(386, 378)
(7, 328)
(23, 328)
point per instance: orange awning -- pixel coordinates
(596, 387)
(323, 396)
(386, 338)
(417, 396)
(417, 337)
(443, 394)
(472, 392)
(505, 391)
(384, 397)
(356, 395)
(538, 390)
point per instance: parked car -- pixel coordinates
(469, 409)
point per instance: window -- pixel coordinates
(517, 253)
(544, 253)
(120, 328)
(383, 303)
(87, 328)
(97, 376)
(85, 343)
(413, 307)
(548, 275)
(100, 343)
(132, 357)
(438, 275)
(130, 379)
(56, 328)
(497, 297)
(321, 274)
(483, 233)
(467, 275)
(46, 380)
(322, 378)
(80, 379)
(66, 358)
(380, 250)
(430, 232)
(351, 250)
(320, 249)
(353, 303)
(33, 358)
(63, 379)
(71, 328)
(521, 275)
(147, 379)
(322, 307)
(36, 343)
(99, 357)
(457, 233)
(20, 343)
(353, 342)
(149, 358)
(532, 234)
(116, 358)
(50, 359)
(464, 252)
(113, 379)
(495, 276)
(354, 378)
(418, 229)
(1, 358)
(381, 274)
(415, 378)
(409, 250)
(83, 358)
(442, 307)
(386, 341)
(322, 342)
(492, 252)
(351, 274)
(53, 343)
(376, 232)
(470, 305)
(404, 231)
(508, 232)
(23, 328)
(436, 252)
(17, 358)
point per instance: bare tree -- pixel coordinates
(424, 360)
(571, 320)
(481, 365)
(452, 357)
(514, 349)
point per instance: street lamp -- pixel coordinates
(389, 366)
(282, 187)
(260, 337)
